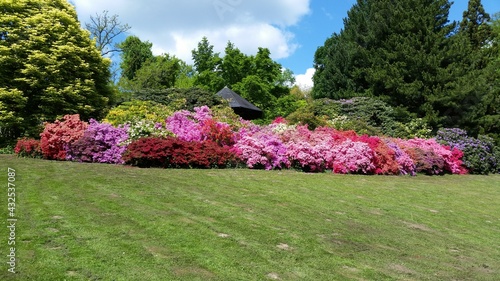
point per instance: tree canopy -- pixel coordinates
(257, 78)
(408, 54)
(49, 66)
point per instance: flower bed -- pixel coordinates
(199, 140)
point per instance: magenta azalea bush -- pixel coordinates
(274, 146)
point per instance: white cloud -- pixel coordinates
(176, 27)
(305, 81)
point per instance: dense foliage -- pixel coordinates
(409, 55)
(49, 67)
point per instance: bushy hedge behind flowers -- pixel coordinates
(199, 140)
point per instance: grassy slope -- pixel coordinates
(105, 222)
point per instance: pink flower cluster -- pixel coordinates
(343, 152)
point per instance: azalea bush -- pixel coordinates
(57, 136)
(177, 153)
(28, 147)
(262, 150)
(200, 126)
(146, 128)
(100, 143)
(480, 155)
(433, 158)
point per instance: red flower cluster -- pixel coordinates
(176, 153)
(28, 148)
(57, 136)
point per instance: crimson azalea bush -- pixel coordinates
(56, 136)
(101, 143)
(27, 147)
(173, 152)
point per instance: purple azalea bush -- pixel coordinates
(480, 156)
(100, 143)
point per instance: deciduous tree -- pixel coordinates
(49, 66)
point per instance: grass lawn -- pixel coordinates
(106, 222)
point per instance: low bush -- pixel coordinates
(100, 143)
(27, 147)
(57, 136)
(173, 152)
(9, 149)
(480, 155)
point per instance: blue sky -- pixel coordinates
(291, 29)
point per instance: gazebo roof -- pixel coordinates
(241, 106)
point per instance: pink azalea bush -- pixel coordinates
(353, 157)
(432, 154)
(262, 149)
(199, 126)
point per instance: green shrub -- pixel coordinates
(135, 110)
(9, 149)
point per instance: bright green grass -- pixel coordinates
(105, 222)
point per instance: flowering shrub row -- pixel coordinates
(197, 139)
(344, 152)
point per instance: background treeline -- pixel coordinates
(407, 54)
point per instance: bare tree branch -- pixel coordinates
(104, 29)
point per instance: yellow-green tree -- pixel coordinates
(49, 67)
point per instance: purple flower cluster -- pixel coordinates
(101, 143)
(480, 155)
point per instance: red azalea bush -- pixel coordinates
(219, 132)
(176, 153)
(26, 147)
(57, 136)
(384, 157)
